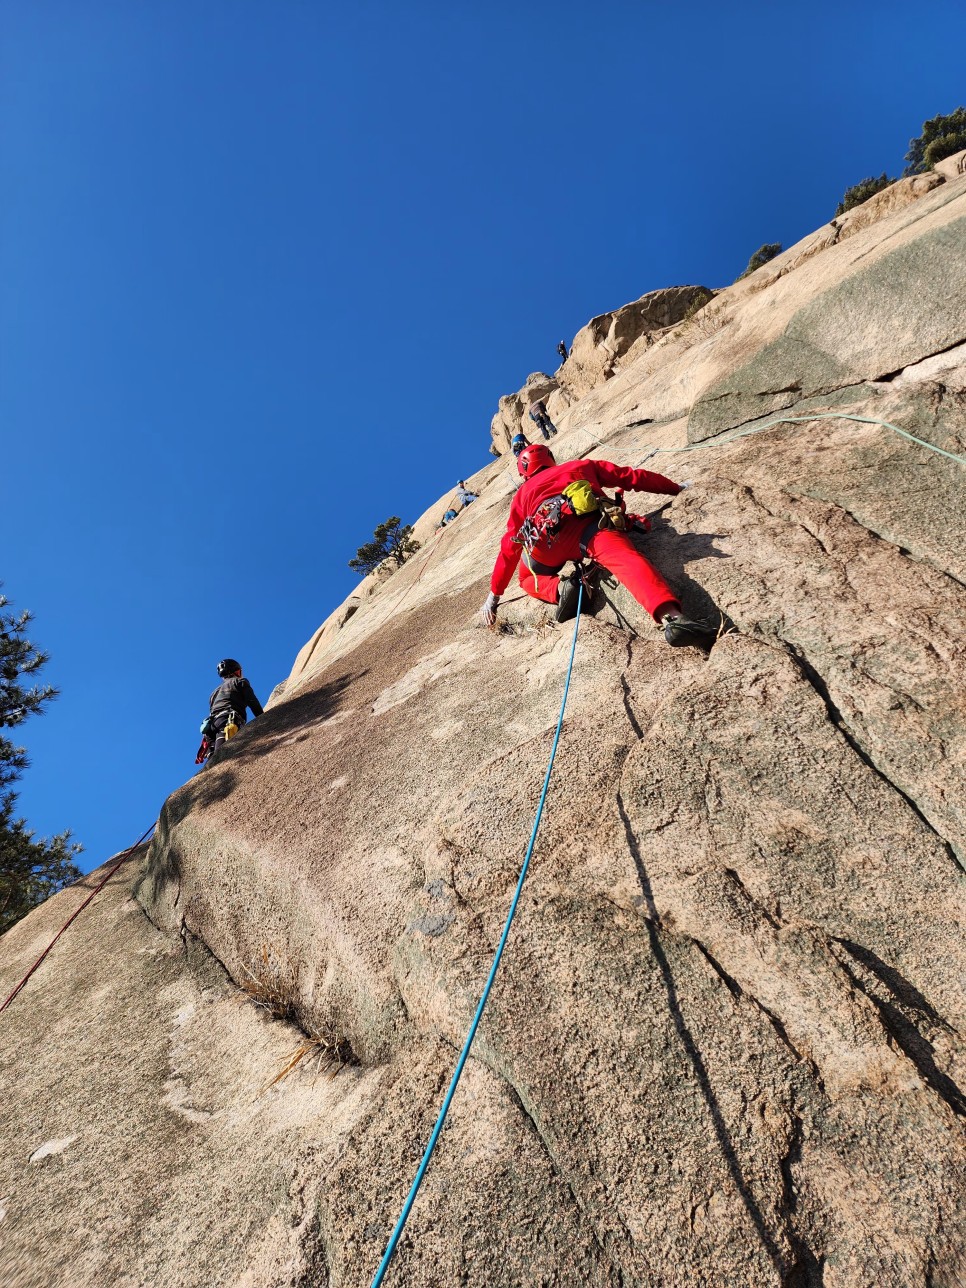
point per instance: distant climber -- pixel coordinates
(447, 518)
(228, 704)
(538, 414)
(464, 495)
(562, 350)
(561, 513)
(518, 442)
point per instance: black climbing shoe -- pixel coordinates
(680, 632)
(567, 597)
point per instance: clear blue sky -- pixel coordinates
(265, 269)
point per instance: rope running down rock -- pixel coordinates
(74, 915)
(464, 1053)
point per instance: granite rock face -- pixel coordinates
(726, 1043)
(598, 351)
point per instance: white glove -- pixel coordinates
(488, 611)
(686, 483)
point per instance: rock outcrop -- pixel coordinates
(597, 353)
(726, 1044)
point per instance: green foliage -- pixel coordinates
(391, 540)
(860, 192)
(941, 137)
(30, 870)
(761, 256)
(698, 303)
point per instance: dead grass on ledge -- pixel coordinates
(273, 985)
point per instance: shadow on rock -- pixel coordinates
(291, 722)
(670, 552)
(159, 888)
(160, 882)
(652, 922)
(900, 1005)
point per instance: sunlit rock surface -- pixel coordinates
(725, 1046)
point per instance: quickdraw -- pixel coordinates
(543, 526)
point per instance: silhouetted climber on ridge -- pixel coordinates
(232, 698)
(539, 416)
(561, 513)
(562, 350)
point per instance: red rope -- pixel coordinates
(97, 889)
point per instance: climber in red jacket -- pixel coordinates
(551, 522)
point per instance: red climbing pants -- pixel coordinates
(543, 586)
(617, 553)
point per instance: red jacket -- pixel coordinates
(551, 482)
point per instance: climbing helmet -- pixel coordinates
(533, 458)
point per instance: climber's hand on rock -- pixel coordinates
(686, 483)
(488, 611)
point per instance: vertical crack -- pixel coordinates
(653, 924)
(812, 676)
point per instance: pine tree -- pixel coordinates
(860, 192)
(761, 256)
(30, 869)
(942, 136)
(391, 540)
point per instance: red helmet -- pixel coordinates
(533, 458)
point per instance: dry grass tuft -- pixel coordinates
(273, 984)
(703, 323)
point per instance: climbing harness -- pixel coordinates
(73, 917)
(577, 500)
(464, 1053)
(545, 523)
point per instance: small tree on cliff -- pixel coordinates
(941, 137)
(391, 540)
(761, 256)
(860, 192)
(30, 870)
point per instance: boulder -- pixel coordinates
(953, 167)
(595, 356)
(512, 415)
(598, 347)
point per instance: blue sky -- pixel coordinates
(265, 269)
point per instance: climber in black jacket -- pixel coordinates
(234, 694)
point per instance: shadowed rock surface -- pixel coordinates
(725, 1046)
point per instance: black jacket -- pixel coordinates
(234, 694)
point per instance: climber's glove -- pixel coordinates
(686, 483)
(488, 611)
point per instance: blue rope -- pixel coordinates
(410, 1199)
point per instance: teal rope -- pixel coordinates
(410, 1199)
(803, 420)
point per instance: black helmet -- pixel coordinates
(228, 666)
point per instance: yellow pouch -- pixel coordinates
(230, 728)
(581, 496)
